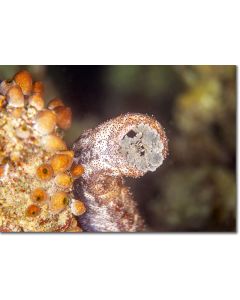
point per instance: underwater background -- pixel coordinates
(195, 188)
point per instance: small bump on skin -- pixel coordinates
(60, 163)
(44, 172)
(24, 80)
(36, 101)
(78, 208)
(53, 143)
(64, 117)
(56, 102)
(38, 88)
(63, 180)
(15, 97)
(22, 132)
(77, 171)
(5, 85)
(58, 202)
(39, 196)
(33, 211)
(45, 122)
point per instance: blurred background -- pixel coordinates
(195, 188)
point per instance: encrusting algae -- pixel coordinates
(36, 178)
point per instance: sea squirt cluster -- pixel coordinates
(36, 167)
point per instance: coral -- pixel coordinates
(46, 187)
(35, 180)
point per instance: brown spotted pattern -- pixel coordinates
(110, 204)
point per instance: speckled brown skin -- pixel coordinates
(110, 204)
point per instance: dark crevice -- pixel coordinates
(131, 134)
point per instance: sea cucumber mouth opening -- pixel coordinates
(142, 148)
